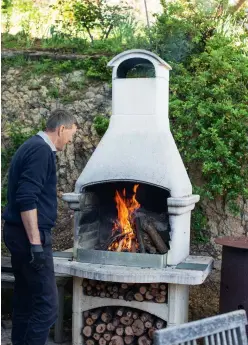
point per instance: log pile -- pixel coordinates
(119, 326)
(154, 292)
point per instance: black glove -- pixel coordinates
(38, 257)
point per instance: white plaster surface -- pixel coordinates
(135, 274)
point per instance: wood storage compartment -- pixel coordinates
(154, 292)
(119, 326)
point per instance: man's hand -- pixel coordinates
(38, 257)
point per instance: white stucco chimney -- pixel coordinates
(138, 145)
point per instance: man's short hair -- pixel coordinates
(60, 117)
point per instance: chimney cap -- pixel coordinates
(138, 53)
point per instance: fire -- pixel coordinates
(125, 222)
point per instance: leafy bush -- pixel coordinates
(101, 124)
(208, 108)
(98, 15)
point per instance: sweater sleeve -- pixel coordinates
(35, 172)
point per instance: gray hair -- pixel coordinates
(58, 118)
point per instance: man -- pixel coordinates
(30, 214)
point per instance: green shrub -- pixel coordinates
(101, 124)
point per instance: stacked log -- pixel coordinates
(155, 292)
(120, 326)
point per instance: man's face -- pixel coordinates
(65, 136)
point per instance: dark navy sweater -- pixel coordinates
(32, 183)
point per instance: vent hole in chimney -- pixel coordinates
(136, 68)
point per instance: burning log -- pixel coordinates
(139, 234)
(150, 229)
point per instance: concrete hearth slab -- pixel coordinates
(192, 271)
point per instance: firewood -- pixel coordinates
(160, 298)
(157, 240)
(148, 324)
(100, 328)
(95, 314)
(96, 336)
(92, 282)
(120, 330)
(107, 294)
(116, 340)
(128, 330)
(120, 311)
(163, 292)
(119, 248)
(102, 341)
(149, 296)
(135, 315)
(87, 331)
(115, 295)
(116, 322)
(163, 287)
(85, 283)
(107, 315)
(107, 336)
(110, 327)
(138, 327)
(88, 288)
(115, 288)
(144, 317)
(86, 314)
(143, 289)
(129, 295)
(90, 342)
(129, 313)
(125, 320)
(144, 340)
(121, 297)
(102, 294)
(139, 297)
(151, 331)
(110, 288)
(159, 324)
(129, 339)
(150, 248)
(89, 321)
(155, 285)
(140, 236)
(98, 287)
(124, 286)
(154, 292)
(112, 239)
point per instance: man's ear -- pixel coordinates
(61, 130)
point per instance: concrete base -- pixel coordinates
(191, 271)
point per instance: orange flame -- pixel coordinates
(125, 223)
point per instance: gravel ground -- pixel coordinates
(6, 335)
